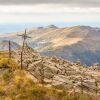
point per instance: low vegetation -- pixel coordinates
(4, 54)
(15, 84)
(8, 63)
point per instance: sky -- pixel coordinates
(30, 13)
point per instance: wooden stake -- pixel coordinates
(24, 36)
(9, 49)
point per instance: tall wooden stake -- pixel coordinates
(24, 36)
(22, 51)
(9, 49)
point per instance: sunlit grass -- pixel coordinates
(15, 84)
(8, 63)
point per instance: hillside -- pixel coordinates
(71, 43)
(4, 45)
(47, 78)
(17, 85)
(59, 73)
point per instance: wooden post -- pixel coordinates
(24, 36)
(21, 60)
(9, 49)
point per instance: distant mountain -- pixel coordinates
(4, 45)
(72, 43)
(51, 26)
(40, 27)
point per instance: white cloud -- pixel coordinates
(47, 13)
(71, 3)
(44, 8)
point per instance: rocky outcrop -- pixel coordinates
(59, 73)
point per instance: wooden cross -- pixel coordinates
(24, 37)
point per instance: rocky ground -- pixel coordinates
(59, 73)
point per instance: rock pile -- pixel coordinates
(60, 73)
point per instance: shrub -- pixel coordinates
(8, 63)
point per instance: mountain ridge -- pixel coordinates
(72, 43)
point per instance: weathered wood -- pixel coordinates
(24, 36)
(9, 49)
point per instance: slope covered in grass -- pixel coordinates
(16, 84)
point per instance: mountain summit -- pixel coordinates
(51, 26)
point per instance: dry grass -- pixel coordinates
(16, 85)
(4, 54)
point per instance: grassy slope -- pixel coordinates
(15, 84)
